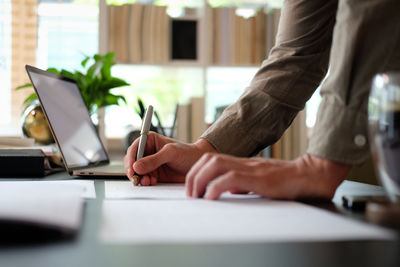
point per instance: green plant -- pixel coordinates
(95, 82)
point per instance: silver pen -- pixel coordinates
(143, 139)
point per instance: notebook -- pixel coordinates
(30, 210)
(76, 136)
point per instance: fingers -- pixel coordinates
(211, 169)
(152, 162)
(154, 141)
(147, 180)
(231, 180)
(129, 159)
(208, 168)
(194, 170)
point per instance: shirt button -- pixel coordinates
(360, 140)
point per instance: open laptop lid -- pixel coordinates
(69, 120)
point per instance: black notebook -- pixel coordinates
(22, 163)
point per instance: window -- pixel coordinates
(224, 86)
(312, 109)
(68, 30)
(161, 86)
(44, 33)
(5, 62)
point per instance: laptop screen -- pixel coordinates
(69, 119)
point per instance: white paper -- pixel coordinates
(356, 189)
(87, 189)
(125, 190)
(167, 217)
(53, 204)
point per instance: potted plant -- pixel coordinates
(95, 83)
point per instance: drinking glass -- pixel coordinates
(384, 130)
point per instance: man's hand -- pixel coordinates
(305, 177)
(165, 159)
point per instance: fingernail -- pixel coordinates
(208, 196)
(138, 166)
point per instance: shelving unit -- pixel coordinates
(220, 32)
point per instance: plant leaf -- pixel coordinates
(84, 62)
(67, 74)
(94, 70)
(111, 99)
(112, 83)
(53, 70)
(23, 86)
(30, 98)
(106, 70)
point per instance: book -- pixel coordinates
(111, 14)
(135, 33)
(146, 34)
(120, 33)
(276, 150)
(16, 141)
(225, 30)
(197, 115)
(210, 26)
(164, 36)
(217, 36)
(183, 123)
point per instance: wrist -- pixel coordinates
(323, 175)
(203, 146)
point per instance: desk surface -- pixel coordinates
(86, 250)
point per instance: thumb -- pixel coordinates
(152, 162)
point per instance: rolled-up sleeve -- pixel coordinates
(285, 81)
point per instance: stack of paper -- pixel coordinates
(163, 214)
(55, 205)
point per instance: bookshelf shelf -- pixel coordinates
(145, 34)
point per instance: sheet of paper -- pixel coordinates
(356, 188)
(125, 190)
(87, 189)
(53, 204)
(166, 219)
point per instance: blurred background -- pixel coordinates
(170, 51)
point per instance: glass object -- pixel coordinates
(35, 125)
(384, 130)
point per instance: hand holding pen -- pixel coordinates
(143, 139)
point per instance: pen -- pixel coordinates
(143, 138)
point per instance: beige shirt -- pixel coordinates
(354, 38)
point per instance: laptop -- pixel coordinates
(76, 137)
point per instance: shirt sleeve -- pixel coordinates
(286, 80)
(365, 42)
